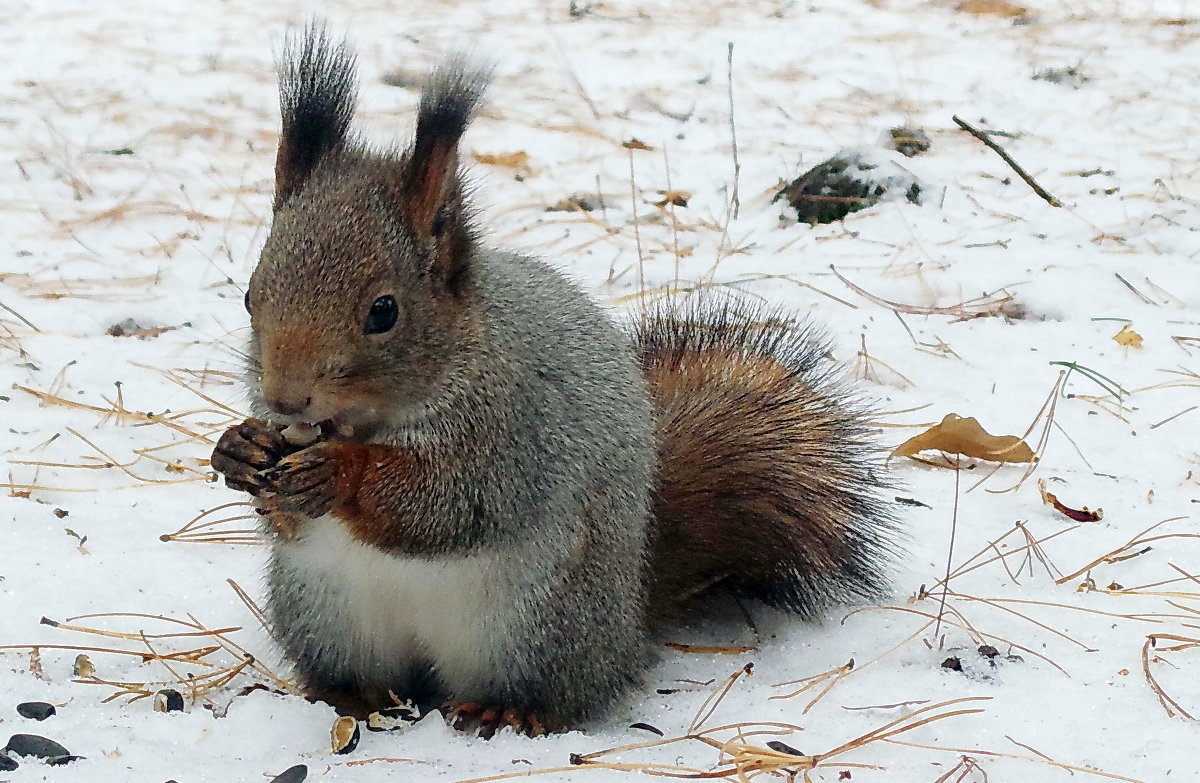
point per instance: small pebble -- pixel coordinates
(33, 745)
(294, 774)
(35, 710)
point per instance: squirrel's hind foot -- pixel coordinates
(485, 720)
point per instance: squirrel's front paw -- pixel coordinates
(245, 450)
(303, 483)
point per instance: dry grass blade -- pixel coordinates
(1032, 545)
(195, 656)
(1037, 759)
(223, 661)
(717, 696)
(963, 625)
(997, 604)
(126, 467)
(175, 378)
(201, 529)
(147, 208)
(1045, 412)
(1137, 543)
(839, 674)
(140, 635)
(1172, 707)
(988, 305)
(741, 760)
(18, 316)
(807, 683)
(48, 398)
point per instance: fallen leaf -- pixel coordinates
(1128, 337)
(992, 8)
(518, 161)
(958, 435)
(1084, 514)
(678, 198)
(636, 144)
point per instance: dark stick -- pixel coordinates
(1038, 189)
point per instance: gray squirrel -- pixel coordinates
(479, 491)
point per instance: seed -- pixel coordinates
(168, 700)
(294, 774)
(345, 735)
(35, 710)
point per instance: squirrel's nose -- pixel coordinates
(288, 406)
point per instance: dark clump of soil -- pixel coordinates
(843, 184)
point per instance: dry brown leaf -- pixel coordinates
(678, 198)
(1128, 337)
(1084, 514)
(958, 435)
(519, 161)
(636, 144)
(992, 8)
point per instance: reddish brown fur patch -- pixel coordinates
(429, 190)
(700, 392)
(370, 484)
(292, 343)
(745, 468)
(290, 357)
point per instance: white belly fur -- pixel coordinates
(390, 608)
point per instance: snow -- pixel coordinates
(167, 233)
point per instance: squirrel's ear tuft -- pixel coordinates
(432, 194)
(317, 91)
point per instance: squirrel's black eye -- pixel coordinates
(246, 300)
(382, 316)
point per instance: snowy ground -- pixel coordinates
(138, 146)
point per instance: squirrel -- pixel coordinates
(481, 493)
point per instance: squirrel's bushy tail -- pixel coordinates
(767, 480)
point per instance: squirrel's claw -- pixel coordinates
(483, 720)
(246, 449)
(302, 482)
(265, 435)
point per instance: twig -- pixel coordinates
(737, 166)
(29, 323)
(637, 232)
(937, 628)
(575, 79)
(1038, 189)
(1169, 704)
(1135, 292)
(670, 205)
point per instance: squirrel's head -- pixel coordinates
(362, 300)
